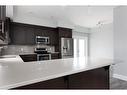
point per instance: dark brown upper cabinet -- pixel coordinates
(46, 32)
(29, 35)
(64, 32)
(2, 13)
(25, 34)
(22, 34)
(18, 35)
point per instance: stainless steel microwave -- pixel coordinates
(42, 40)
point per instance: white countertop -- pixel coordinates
(10, 58)
(14, 75)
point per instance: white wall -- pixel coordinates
(120, 41)
(101, 41)
(81, 29)
(18, 15)
(9, 11)
(29, 18)
(79, 34)
(34, 20)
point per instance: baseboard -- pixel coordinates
(120, 77)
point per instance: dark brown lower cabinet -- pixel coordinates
(55, 56)
(92, 79)
(58, 83)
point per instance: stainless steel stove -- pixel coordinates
(42, 54)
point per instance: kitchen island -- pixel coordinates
(71, 73)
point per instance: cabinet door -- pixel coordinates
(55, 56)
(30, 39)
(47, 32)
(38, 32)
(58, 83)
(22, 34)
(53, 35)
(93, 79)
(65, 32)
(18, 35)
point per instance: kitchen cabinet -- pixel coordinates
(22, 34)
(38, 32)
(29, 35)
(18, 35)
(2, 13)
(47, 32)
(25, 34)
(53, 38)
(57, 83)
(64, 32)
(54, 55)
(91, 79)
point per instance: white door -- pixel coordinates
(80, 47)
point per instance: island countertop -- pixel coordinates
(18, 73)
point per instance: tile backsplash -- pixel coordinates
(22, 49)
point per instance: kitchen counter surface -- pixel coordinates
(14, 75)
(10, 58)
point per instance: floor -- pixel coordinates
(117, 84)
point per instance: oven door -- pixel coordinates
(41, 57)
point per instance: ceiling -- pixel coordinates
(86, 16)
